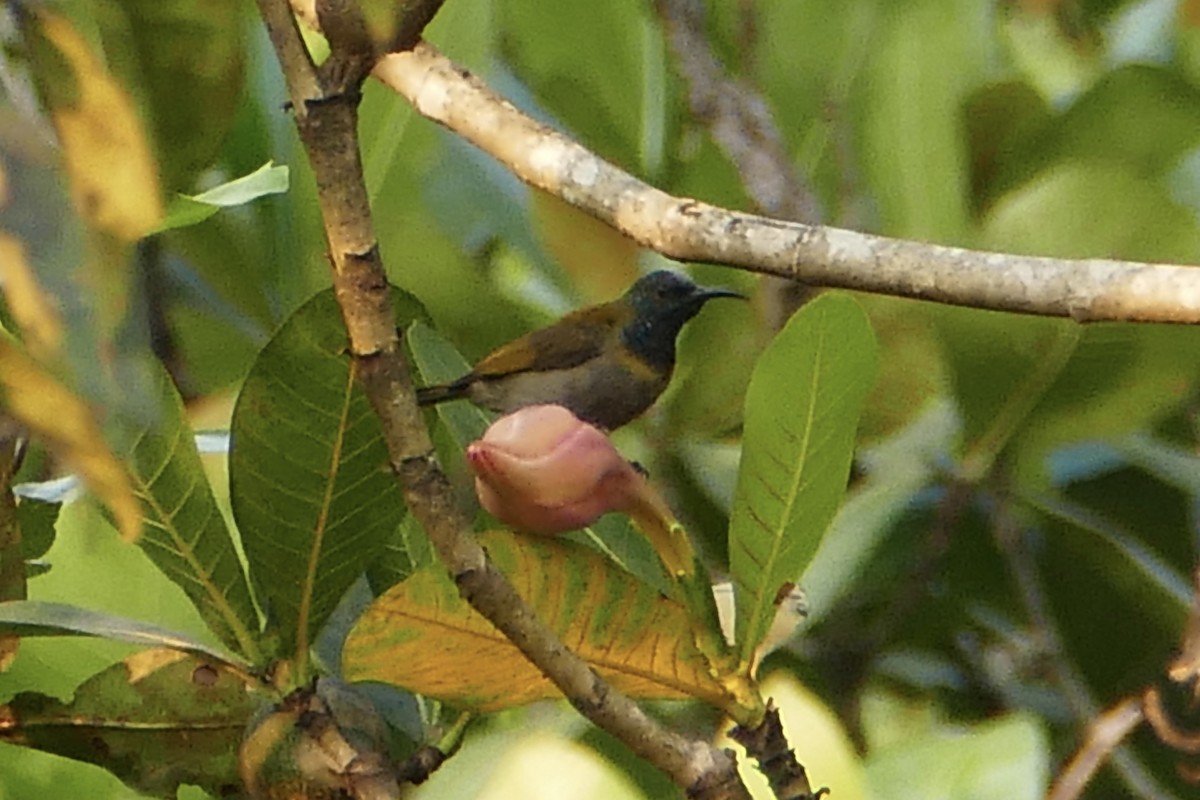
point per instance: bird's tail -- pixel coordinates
(431, 395)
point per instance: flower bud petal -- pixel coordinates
(543, 470)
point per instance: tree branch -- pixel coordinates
(1105, 734)
(740, 121)
(411, 18)
(327, 124)
(1085, 290)
(768, 744)
(738, 118)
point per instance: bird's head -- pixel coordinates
(661, 303)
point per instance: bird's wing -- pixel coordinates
(576, 338)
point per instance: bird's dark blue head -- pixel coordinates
(662, 302)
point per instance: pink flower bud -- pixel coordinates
(542, 470)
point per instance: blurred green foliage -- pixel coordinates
(1015, 548)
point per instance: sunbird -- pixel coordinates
(607, 363)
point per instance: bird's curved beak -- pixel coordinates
(709, 293)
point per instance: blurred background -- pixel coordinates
(1016, 548)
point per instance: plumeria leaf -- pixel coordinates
(438, 362)
(407, 550)
(423, 637)
(184, 532)
(157, 720)
(187, 210)
(38, 618)
(802, 410)
(309, 480)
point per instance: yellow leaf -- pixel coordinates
(33, 311)
(422, 636)
(66, 424)
(114, 180)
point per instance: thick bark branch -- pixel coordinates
(326, 117)
(1085, 290)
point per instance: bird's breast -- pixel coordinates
(608, 391)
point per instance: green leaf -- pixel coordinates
(911, 114)
(37, 519)
(439, 362)
(422, 636)
(1139, 116)
(184, 533)
(1003, 760)
(406, 551)
(1104, 581)
(1174, 466)
(157, 720)
(1001, 368)
(1000, 120)
(37, 618)
(185, 62)
(1150, 586)
(802, 409)
(1082, 209)
(187, 210)
(895, 471)
(1029, 384)
(312, 493)
(605, 95)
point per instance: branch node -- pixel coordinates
(768, 745)
(411, 467)
(333, 98)
(418, 767)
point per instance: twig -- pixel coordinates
(327, 124)
(1105, 733)
(411, 18)
(1170, 707)
(417, 768)
(738, 117)
(742, 125)
(767, 743)
(1085, 290)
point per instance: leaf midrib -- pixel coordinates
(321, 528)
(597, 657)
(757, 618)
(220, 602)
